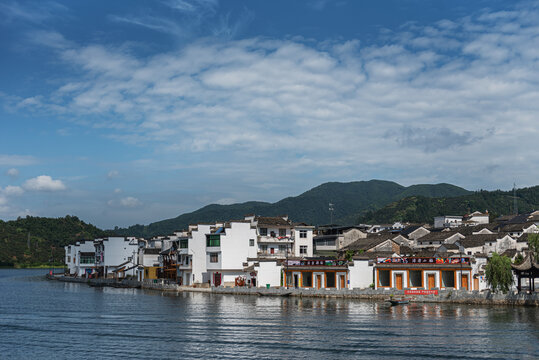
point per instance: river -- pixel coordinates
(41, 319)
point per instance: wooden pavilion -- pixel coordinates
(528, 269)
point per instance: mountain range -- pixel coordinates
(351, 201)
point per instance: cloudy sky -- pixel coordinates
(130, 111)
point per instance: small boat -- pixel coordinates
(395, 302)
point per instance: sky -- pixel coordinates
(129, 112)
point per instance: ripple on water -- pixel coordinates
(43, 319)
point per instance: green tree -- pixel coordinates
(533, 244)
(499, 274)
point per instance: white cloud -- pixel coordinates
(13, 190)
(43, 183)
(12, 172)
(425, 96)
(117, 191)
(127, 202)
(113, 174)
(17, 160)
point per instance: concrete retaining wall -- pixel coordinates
(444, 296)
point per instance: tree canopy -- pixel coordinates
(499, 274)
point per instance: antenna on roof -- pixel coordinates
(331, 209)
(515, 203)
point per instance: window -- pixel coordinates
(303, 249)
(416, 278)
(330, 279)
(213, 240)
(303, 234)
(307, 279)
(87, 259)
(214, 257)
(184, 243)
(383, 278)
(263, 231)
(282, 248)
(69, 259)
(251, 242)
(282, 232)
(264, 248)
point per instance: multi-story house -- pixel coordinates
(116, 256)
(80, 258)
(227, 248)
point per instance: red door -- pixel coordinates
(272, 251)
(217, 279)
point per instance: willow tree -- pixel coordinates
(533, 245)
(498, 273)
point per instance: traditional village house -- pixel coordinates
(116, 256)
(447, 221)
(475, 218)
(434, 239)
(316, 273)
(423, 273)
(227, 248)
(80, 258)
(303, 240)
(192, 255)
(333, 238)
(274, 236)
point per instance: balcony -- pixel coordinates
(267, 239)
(276, 254)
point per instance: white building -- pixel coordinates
(227, 249)
(447, 221)
(116, 256)
(80, 258)
(303, 240)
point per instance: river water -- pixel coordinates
(41, 319)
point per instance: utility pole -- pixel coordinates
(515, 203)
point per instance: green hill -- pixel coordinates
(420, 209)
(34, 240)
(349, 199)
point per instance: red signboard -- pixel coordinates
(420, 292)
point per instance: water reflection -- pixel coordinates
(60, 320)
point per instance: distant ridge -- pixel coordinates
(351, 200)
(421, 209)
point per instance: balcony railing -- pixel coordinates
(275, 239)
(267, 253)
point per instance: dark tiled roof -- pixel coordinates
(437, 236)
(409, 229)
(477, 240)
(511, 227)
(272, 221)
(369, 242)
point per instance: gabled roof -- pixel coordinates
(369, 242)
(409, 229)
(477, 240)
(511, 227)
(438, 236)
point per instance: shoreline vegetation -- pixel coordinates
(34, 266)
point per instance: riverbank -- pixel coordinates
(443, 296)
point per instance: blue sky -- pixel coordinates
(130, 112)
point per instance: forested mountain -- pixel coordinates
(420, 209)
(35, 240)
(349, 199)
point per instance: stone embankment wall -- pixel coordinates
(444, 296)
